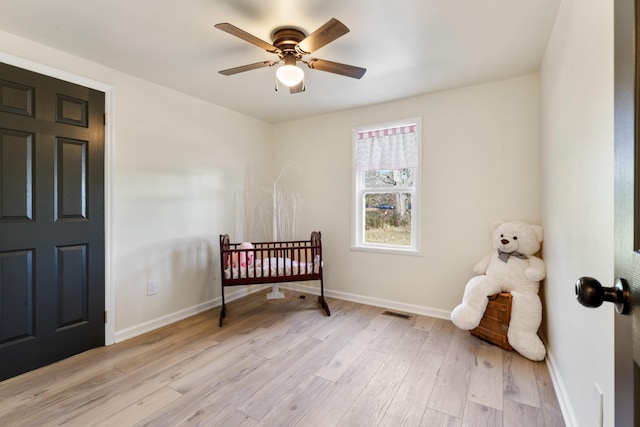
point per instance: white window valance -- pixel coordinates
(387, 149)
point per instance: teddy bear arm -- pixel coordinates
(536, 270)
(482, 266)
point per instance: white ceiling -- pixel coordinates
(409, 47)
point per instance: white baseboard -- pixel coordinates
(151, 325)
(377, 302)
(561, 392)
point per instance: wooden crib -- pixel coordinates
(271, 262)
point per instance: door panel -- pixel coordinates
(17, 290)
(70, 180)
(16, 193)
(626, 209)
(51, 220)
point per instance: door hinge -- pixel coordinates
(104, 119)
(105, 316)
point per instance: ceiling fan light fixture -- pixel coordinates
(289, 75)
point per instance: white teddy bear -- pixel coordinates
(511, 268)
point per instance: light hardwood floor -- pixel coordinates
(280, 363)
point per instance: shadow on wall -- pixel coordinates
(182, 271)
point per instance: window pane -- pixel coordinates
(388, 178)
(388, 218)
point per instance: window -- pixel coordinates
(386, 201)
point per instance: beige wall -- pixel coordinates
(577, 203)
(177, 165)
(481, 161)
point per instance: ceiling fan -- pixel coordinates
(291, 44)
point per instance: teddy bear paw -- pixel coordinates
(534, 275)
(466, 317)
(527, 344)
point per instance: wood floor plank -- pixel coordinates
(450, 392)
(290, 330)
(54, 405)
(476, 415)
(295, 403)
(231, 397)
(440, 336)
(352, 351)
(140, 409)
(371, 405)
(169, 350)
(236, 419)
(217, 359)
(522, 415)
(326, 326)
(121, 390)
(548, 399)
(328, 412)
(214, 404)
(410, 401)
(485, 382)
(462, 345)
(43, 382)
(424, 322)
(433, 418)
(260, 403)
(286, 363)
(520, 383)
(81, 409)
(390, 336)
(195, 406)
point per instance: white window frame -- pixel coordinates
(358, 191)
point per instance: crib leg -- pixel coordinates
(324, 305)
(223, 309)
(322, 301)
(222, 314)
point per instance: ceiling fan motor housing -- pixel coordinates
(286, 39)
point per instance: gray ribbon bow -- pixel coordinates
(504, 256)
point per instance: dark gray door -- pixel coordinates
(627, 206)
(51, 220)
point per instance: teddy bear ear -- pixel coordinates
(537, 229)
(495, 225)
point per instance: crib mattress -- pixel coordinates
(274, 267)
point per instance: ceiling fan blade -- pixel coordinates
(248, 67)
(235, 31)
(336, 68)
(297, 88)
(322, 36)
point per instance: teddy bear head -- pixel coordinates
(516, 236)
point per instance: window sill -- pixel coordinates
(387, 250)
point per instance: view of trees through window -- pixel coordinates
(387, 201)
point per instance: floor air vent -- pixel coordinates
(396, 314)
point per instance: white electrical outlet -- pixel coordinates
(152, 287)
(598, 402)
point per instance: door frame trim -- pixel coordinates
(109, 151)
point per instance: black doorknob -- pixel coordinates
(591, 293)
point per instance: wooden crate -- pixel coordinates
(495, 323)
